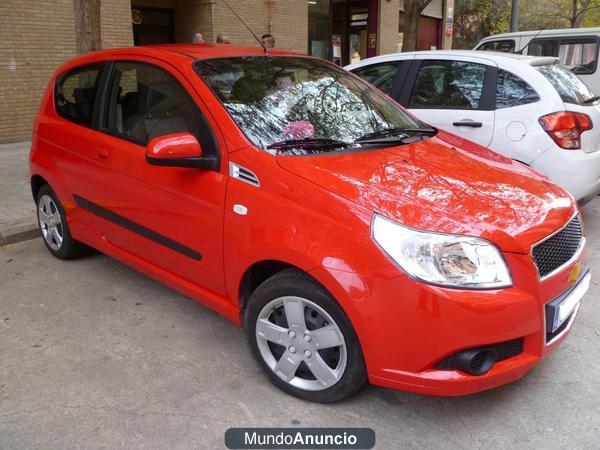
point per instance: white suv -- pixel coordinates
(528, 108)
(576, 48)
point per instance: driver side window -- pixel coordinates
(445, 84)
(145, 101)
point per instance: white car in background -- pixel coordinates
(530, 109)
(576, 48)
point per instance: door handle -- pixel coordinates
(468, 123)
(102, 153)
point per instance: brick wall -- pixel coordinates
(288, 19)
(387, 28)
(35, 38)
(116, 25)
(193, 16)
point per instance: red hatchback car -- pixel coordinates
(352, 241)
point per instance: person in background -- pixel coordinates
(223, 39)
(197, 38)
(268, 40)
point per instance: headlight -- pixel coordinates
(445, 259)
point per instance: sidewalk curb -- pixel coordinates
(19, 232)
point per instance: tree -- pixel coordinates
(545, 14)
(87, 25)
(592, 18)
(412, 13)
(476, 19)
(578, 10)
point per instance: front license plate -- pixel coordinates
(561, 308)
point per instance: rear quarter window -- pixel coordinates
(504, 45)
(75, 93)
(570, 88)
(513, 91)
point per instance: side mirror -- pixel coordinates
(178, 150)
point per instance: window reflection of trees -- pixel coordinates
(264, 95)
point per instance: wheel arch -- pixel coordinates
(37, 181)
(256, 274)
(260, 271)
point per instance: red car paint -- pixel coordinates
(314, 213)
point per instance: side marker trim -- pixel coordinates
(136, 228)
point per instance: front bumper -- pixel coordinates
(406, 328)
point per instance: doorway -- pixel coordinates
(153, 25)
(342, 31)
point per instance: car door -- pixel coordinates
(170, 217)
(75, 94)
(454, 95)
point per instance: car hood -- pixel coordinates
(445, 184)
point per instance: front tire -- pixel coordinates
(303, 340)
(52, 222)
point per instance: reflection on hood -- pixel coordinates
(445, 184)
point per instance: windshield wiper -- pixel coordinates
(397, 132)
(592, 99)
(309, 142)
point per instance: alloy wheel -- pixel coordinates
(51, 223)
(301, 343)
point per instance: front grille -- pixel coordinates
(504, 350)
(558, 249)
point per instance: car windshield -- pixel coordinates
(570, 88)
(281, 101)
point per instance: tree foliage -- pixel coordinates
(476, 19)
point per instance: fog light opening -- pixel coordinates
(476, 361)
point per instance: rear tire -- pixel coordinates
(303, 340)
(52, 222)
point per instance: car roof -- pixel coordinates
(175, 52)
(205, 51)
(497, 57)
(562, 31)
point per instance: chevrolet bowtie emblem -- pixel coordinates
(574, 273)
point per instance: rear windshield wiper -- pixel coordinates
(308, 142)
(398, 132)
(592, 99)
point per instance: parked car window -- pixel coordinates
(278, 98)
(570, 88)
(146, 101)
(513, 91)
(577, 54)
(75, 93)
(380, 75)
(506, 46)
(448, 85)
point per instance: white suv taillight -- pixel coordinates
(566, 127)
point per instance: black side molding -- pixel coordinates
(136, 228)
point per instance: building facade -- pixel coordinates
(36, 37)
